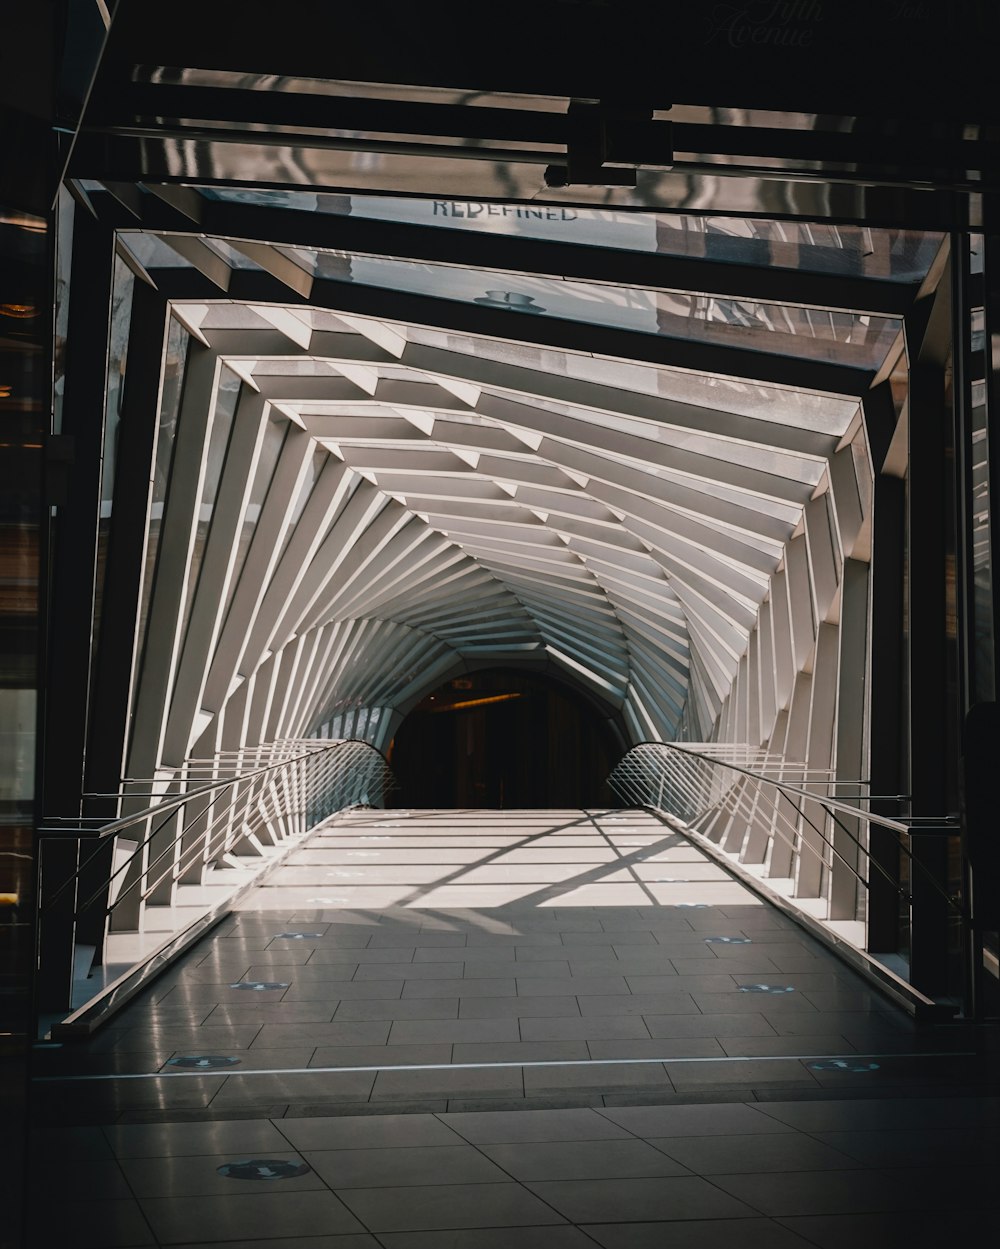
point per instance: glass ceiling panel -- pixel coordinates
(857, 251)
(860, 341)
(819, 413)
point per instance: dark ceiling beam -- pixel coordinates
(854, 58)
(215, 158)
(948, 144)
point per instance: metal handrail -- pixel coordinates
(830, 805)
(181, 866)
(170, 806)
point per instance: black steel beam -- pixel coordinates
(887, 704)
(217, 157)
(950, 145)
(788, 56)
(74, 547)
(934, 721)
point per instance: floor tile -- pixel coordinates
(168, 1140)
(528, 986)
(445, 1082)
(518, 1007)
(581, 1160)
(341, 990)
(381, 1131)
(605, 1077)
(640, 1004)
(739, 1072)
(467, 956)
(817, 1192)
(82, 1176)
(554, 1237)
(422, 1031)
(278, 1012)
(87, 1225)
(445, 1206)
(639, 1200)
(702, 1120)
(887, 1114)
(338, 1032)
(260, 1059)
(811, 1045)
(383, 1168)
(411, 1008)
(522, 1051)
(245, 1217)
(755, 1233)
(380, 1055)
(584, 1029)
(408, 971)
(657, 1047)
(358, 1240)
(898, 1230)
(296, 1087)
(951, 1146)
(198, 1175)
(752, 1152)
(467, 987)
(508, 1127)
(339, 955)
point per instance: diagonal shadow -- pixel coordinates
(550, 891)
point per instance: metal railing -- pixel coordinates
(210, 814)
(784, 822)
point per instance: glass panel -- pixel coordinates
(815, 333)
(860, 251)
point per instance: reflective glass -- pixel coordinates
(815, 333)
(812, 247)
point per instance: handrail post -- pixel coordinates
(55, 940)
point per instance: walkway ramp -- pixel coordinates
(485, 1028)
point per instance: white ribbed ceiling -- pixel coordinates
(442, 500)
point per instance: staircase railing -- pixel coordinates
(209, 815)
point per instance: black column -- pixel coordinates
(931, 572)
(887, 767)
(74, 545)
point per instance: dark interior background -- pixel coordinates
(539, 744)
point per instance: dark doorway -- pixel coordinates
(503, 738)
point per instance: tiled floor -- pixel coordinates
(469, 1030)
